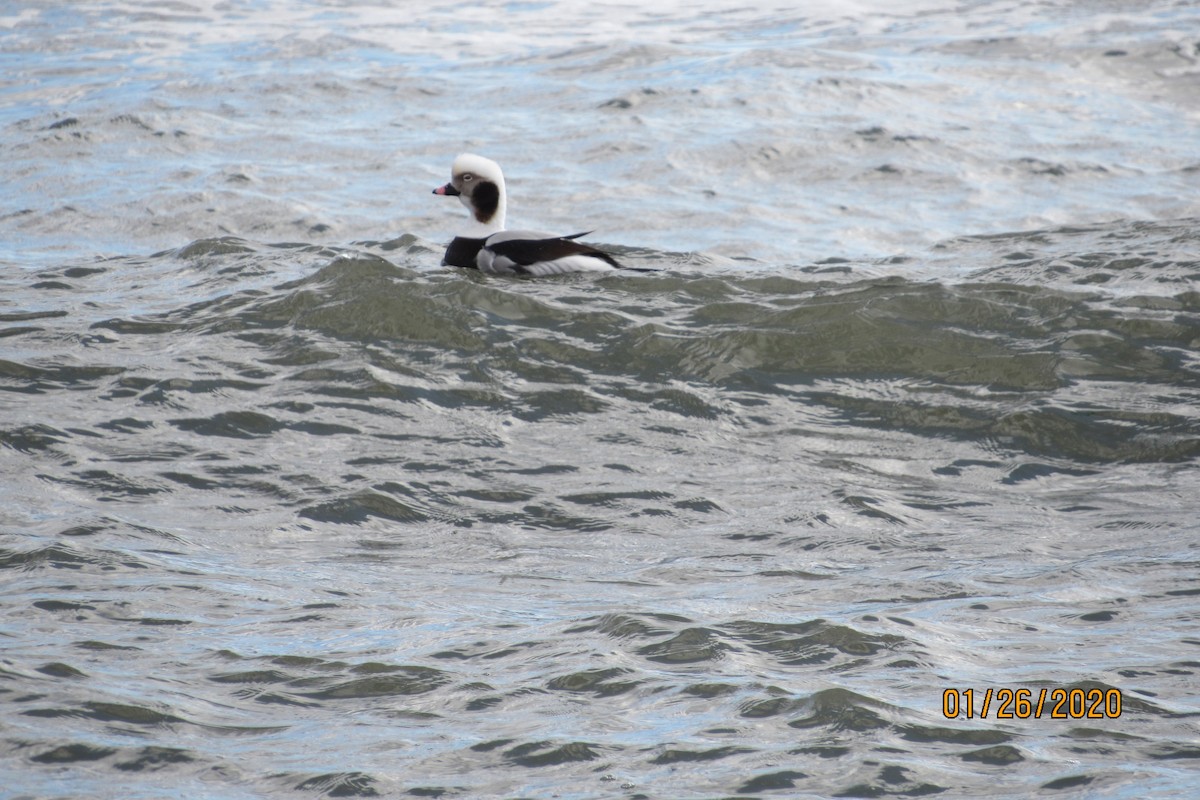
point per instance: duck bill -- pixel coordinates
(447, 190)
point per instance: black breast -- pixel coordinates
(462, 251)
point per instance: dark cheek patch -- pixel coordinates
(485, 199)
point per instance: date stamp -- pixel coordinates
(1031, 704)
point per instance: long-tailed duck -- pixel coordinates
(485, 245)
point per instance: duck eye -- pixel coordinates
(467, 177)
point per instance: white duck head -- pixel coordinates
(479, 184)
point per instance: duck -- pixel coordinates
(486, 245)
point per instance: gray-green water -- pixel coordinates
(289, 510)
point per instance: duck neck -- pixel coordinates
(487, 206)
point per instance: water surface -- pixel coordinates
(908, 405)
